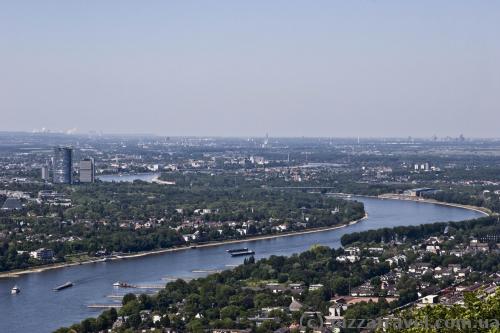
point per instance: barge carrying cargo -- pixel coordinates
(242, 253)
(64, 286)
(244, 249)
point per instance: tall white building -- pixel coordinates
(45, 172)
(87, 170)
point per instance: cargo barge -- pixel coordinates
(64, 286)
(243, 249)
(242, 253)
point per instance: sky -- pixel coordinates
(369, 68)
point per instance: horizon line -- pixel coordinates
(355, 137)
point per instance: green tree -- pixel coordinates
(476, 309)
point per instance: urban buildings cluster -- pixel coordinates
(62, 168)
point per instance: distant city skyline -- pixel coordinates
(243, 69)
(265, 136)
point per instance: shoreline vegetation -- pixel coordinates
(39, 269)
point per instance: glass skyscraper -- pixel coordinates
(63, 165)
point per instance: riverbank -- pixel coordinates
(403, 197)
(157, 180)
(391, 196)
(17, 273)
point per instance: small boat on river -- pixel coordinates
(120, 284)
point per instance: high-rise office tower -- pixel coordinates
(63, 165)
(45, 172)
(87, 170)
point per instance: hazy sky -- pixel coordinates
(290, 68)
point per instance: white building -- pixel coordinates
(42, 254)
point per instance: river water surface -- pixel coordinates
(129, 177)
(39, 309)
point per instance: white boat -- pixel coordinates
(15, 290)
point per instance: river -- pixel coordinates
(129, 177)
(39, 309)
